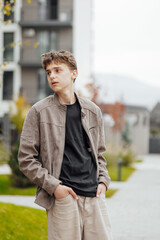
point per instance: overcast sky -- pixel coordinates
(127, 39)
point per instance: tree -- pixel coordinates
(18, 179)
(115, 110)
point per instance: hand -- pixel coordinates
(62, 191)
(101, 189)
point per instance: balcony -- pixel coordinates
(38, 41)
(31, 57)
(38, 17)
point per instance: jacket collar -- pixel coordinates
(63, 106)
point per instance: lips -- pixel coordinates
(54, 83)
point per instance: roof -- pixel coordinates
(136, 107)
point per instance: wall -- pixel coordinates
(29, 83)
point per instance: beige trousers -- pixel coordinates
(83, 219)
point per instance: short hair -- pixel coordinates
(59, 57)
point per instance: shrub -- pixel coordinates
(110, 158)
(4, 153)
(17, 117)
(127, 157)
(18, 179)
(124, 152)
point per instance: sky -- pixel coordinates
(127, 39)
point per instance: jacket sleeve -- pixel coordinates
(28, 155)
(103, 172)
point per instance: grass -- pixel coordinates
(25, 223)
(111, 192)
(139, 161)
(126, 172)
(2, 161)
(7, 189)
(4, 153)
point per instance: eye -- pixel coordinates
(57, 70)
(48, 73)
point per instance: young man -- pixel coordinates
(61, 148)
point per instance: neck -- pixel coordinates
(67, 97)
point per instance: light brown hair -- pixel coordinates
(59, 57)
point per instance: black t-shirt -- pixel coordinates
(78, 170)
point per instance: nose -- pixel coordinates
(52, 75)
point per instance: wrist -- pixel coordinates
(57, 188)
(104, 185)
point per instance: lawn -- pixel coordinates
(4, 153)
(126, 172)
(111, 192)
(19, 223)
(6, 189)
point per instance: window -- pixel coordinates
(9, 7)
(7, 85)
(52, 8)
(48, 9)
(42, 14)
(48, 40)
(43, 86)
(53, 40)
(43, 39)
(8, 48)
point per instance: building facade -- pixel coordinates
(138, 118)
(36, 28)
(154, 144)
(135, 128)
(10, 71)
(45, 25)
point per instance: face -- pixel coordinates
(60, 77)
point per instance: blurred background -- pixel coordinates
(116, 45)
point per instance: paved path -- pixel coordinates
(27, 201)
(135, 209)
(5, 169)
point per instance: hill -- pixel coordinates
(126, 90)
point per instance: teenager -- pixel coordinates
(61, 148)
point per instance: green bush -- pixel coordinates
(110, 158)
(114, 153)
(154, 131)
(18, 179)
(127, 158)
(4, 153)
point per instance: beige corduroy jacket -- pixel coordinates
(42, 144)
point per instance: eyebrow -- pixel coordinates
(47, 70)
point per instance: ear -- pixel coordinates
(74, 74)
